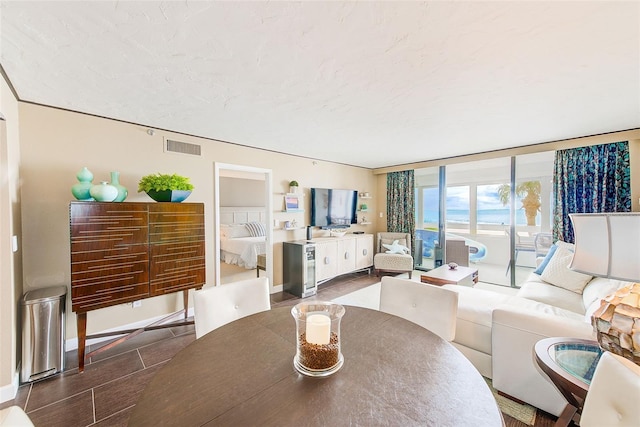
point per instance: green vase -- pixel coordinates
(81, 190)
(122, 190)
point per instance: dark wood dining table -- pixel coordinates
(395, 373)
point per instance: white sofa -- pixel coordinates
(497, 332)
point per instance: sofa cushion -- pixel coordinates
(523, 304)
(599, 288)
(538, 290)
(473, 323)
(558, 273)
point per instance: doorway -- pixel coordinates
(245, 190)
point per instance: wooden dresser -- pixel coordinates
(124, 252)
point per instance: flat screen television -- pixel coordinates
(333, 208)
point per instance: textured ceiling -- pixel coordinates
(364, 83)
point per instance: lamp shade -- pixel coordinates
(607, 245)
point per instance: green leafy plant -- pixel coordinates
(293, 184)
(162, 182)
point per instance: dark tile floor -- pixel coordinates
(105, 393)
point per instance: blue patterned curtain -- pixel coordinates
(401, 216)
(587, 180)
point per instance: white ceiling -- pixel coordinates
(372, 84)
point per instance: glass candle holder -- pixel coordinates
(318, 338)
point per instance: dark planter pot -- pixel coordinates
(169, 195)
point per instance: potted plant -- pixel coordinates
(293, 187)
(165, 188)
(529, 192)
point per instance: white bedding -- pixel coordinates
(242, 251)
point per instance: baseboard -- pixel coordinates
(9, 391)
(72, 343)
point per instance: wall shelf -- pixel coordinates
(364, 223)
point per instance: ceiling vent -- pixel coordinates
(182, 147)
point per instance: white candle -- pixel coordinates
(318, 329)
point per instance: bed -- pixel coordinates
(242, 235)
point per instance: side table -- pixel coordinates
(569, 363)
(443, 275)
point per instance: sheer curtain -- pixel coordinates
(401, 216)
(587, 180)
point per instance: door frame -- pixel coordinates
(268, 206)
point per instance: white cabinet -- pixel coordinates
(340, 255)
(326, 260)
(364, 251)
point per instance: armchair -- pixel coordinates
(393, 262)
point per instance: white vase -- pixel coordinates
(104, 192)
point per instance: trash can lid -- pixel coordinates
(44, 294)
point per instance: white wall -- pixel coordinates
(10, 261)
(56, 144)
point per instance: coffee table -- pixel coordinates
(465, 276)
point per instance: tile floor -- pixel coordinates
(105, 393)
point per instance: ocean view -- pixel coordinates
(485, 216)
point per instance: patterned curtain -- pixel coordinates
(587, 180)
(401, 213)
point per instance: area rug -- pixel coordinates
(369, 297)
(521, 412)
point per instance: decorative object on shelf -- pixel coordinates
(103, 192)
(287, 225)
(293, 187)
(364, 207)
(452, 266)
(165, 188)
(309, 233)
(337, 233)
(605, 246)
(81, 190)
(292, 203)
(318, 338)
(122, 190)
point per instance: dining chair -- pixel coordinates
(432, 307)
(614, 394)
(218, 305)
(542, 243)
(522, 245)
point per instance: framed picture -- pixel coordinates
(292, 203)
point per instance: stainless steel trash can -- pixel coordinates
(43, 332)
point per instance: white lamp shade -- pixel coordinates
(607, 245)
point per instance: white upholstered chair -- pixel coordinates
(432, 307)
(393, 262)
(614, 394)
(218, 305)
(14, 416)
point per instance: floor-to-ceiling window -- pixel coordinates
(478, 209)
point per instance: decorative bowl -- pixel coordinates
(452, 265)
(335, 233)
(169, 195)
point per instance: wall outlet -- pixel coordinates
(137, 304)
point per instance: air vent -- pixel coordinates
(182, 147)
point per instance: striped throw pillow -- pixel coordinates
(256, 229)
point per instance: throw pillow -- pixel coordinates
(396, 248)
(546, 260)
(403, 242)
(256, 229)
(558, 274)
